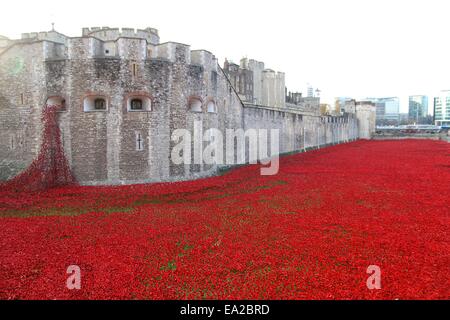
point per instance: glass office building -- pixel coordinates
(388, 110)
(442, 109)
(418, 108)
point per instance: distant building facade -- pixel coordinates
(310, 91)
(418, 108)
(387, 110)
(345, 104)
(442, 109)
(307, 105)
(241, 79)
(350, 106)
(255, 84)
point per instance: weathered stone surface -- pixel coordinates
(101, 145)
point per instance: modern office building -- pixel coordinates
(309, 90)
(387, 110)
(418, 108)
(442, 109)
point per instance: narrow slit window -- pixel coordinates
(139, 142)
(12, 143)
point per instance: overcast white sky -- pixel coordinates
(355, 48)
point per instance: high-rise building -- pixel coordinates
(442, 109)
(310, 91)
(387, 110)
(381, 110)
(418, 108)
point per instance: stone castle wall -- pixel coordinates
(22, 86)
(101, 145)
(366, 114)
(299, 131)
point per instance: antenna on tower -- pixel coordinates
(53, 26)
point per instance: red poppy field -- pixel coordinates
(309, 232)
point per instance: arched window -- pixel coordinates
(195, 105)
(211, 107)
(136, 104)
(57, 101)
(94, 103)
(100, 104)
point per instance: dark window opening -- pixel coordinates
(136, 104)
(99, 104)
(139, 142)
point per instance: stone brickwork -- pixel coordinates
(299, 131)
(114, 144)
(366, 114)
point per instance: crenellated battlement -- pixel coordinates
(269, 73)
(45, 35)
(138, 49)
(204, 58)
(112, 34)
(116, 43)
